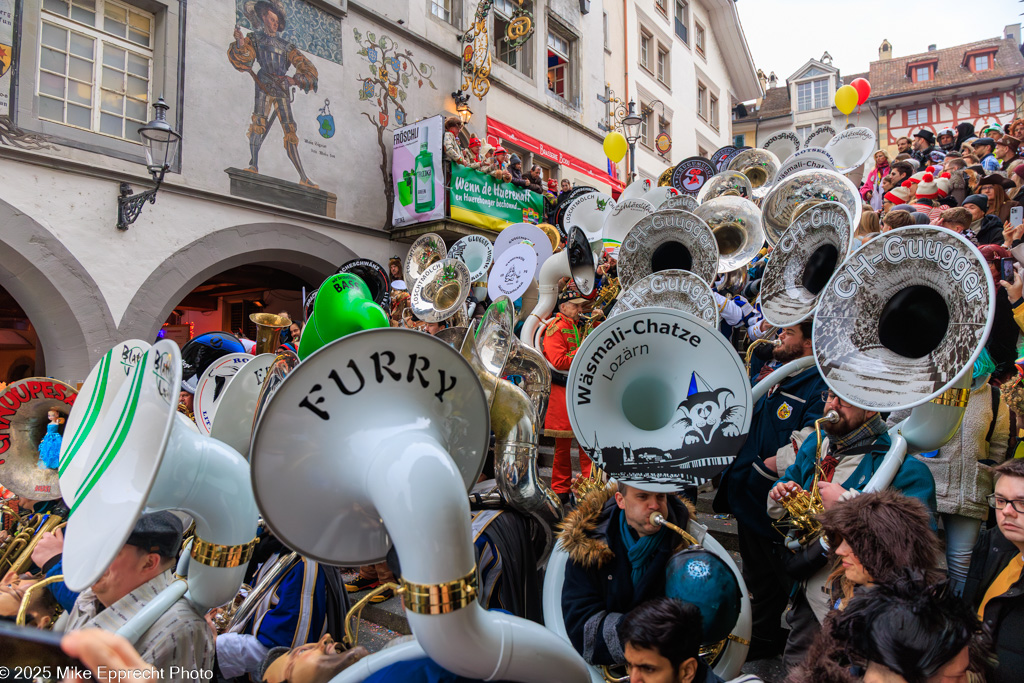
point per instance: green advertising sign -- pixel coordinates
(481, 200)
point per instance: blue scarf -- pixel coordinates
(640, 550)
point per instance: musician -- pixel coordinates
(617, 560)
(293, 612)
(48, 555)
(142, 569)
(42, 608)
(781, 421)
(561, 341)
(852, 449)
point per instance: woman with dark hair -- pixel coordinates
(964, 132)
(907, 631)
(994, 187)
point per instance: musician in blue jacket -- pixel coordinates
(782, 419)
(292, 613)
(852, 450)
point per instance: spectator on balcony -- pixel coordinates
(453, 151)
(536, 179)
(499, 165)
(515, 167)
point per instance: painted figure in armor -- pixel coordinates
(273, 85)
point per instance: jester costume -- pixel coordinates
(272, 83)
(561, 341)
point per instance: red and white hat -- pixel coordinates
(944, 183)
(926, 187)
(898, 195)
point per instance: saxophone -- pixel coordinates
(801, 523)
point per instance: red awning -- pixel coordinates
(506, 132)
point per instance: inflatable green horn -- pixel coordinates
(343, 305)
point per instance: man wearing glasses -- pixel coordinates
(994, 583)
(852, 449)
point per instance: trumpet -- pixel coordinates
(776, 343)
(803, 507)
(17, 550)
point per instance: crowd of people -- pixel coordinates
(920, 582)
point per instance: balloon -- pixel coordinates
(863, 90)
(846, 99)
(615, 146)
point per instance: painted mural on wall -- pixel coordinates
(392, 72)
(980, 110)
(272, 55)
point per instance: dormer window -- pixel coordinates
(920, 72)
(982, 59)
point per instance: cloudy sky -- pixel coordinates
(784, 34)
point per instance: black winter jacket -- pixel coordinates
(1004, 615)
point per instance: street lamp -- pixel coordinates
(161, 143)
(462, 106)
(631, 123)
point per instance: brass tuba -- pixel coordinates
(268, 331)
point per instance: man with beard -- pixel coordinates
(782, 419)
(924, 145)
(852, 450)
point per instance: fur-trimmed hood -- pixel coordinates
(584, 532)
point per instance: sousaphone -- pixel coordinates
(375, 277)
(477, 252)
(759, 166)
(143, 457)
(575, 261)
(24, 409)
(803, 263)
(211, 386)
(802, 190)
(236, 412)
(851, 148)
(397, 428)
(726, 184)
(668, 239)
(441, 291)
(424, 251)
(736, 224)
(679, 290)
(621, 220)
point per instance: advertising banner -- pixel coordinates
(417, 172)
(485, 202)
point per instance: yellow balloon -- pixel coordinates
(846, 99)
(615, 146)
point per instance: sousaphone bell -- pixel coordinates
(759, 166)
(668, 239)
(736, 224)
(802, 190)
(441, 291)
(424, 251)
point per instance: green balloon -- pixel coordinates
(343, 305)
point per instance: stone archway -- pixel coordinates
(307, 254)
(63, 301)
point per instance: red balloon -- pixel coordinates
(863, 89)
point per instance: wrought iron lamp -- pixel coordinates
(462, 105)
(162, 143)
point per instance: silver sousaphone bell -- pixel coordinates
(802, 190)
(441, 291)
(668, 239)
(803, 262)
(424, 251)
(759, 166)
(736, 224)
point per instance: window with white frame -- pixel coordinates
(702, 97)
(95, 66)
(917, 117)
(988, 105)
(713, 112)
(698, 40)
(682, 20)
(645, 125)
(604, 19)
(442, 9)
(559, 65)
(662, 6)
(802, 132)
(812, 94)
(645, 49)
(516, 57)
(663, 63)
(982, 63)
(922, 73)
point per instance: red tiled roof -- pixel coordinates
(775, 103)
(889, 77)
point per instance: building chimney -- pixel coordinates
(1012, 32)
(932, 47)
(885, 50)
(772, 80)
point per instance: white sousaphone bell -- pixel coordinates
(668, 239)
(211, 386)
(803, 263)
(397, 475)
(736, 224)
(575, 261)
(851, 148)
(726, 183)
(621, 220)
(899, 326)
(783, 145)
(142, 457)
(659, 401)
(236, 412)
(589, 213)
(477, 252)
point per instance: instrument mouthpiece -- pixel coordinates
(831, 416)
(656, 519)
